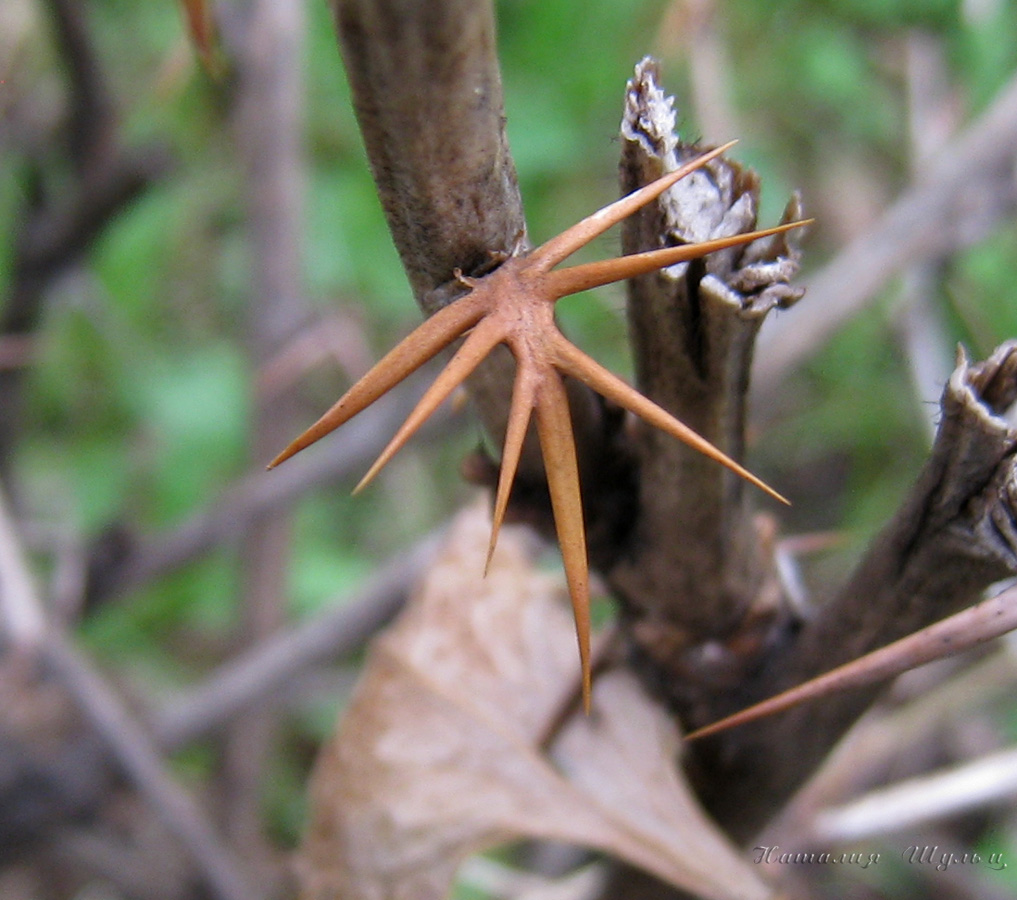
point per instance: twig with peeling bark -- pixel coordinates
(693, 329)
(952, 537)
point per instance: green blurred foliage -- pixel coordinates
(139, 405)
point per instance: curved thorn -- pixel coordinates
(563, 282)
(955, 634)
(515, 434)
(574, 362)
(432, 336)
(552, 252)
(554, 427)
(480, 342)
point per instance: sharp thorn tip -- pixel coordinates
(279, 460)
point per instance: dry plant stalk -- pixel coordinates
(952, 537)
(514, 305)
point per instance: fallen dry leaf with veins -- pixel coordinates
(514, 305)
(440, 755)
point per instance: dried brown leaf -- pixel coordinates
(439, 755)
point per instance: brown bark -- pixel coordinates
(427, 92)
(953, 536)
(698, 570)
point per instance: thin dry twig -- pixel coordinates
(964, 192)
(268, 124)
(988, 781)
(886, 735)
(229, 515)
(690, 30)
(55, 230)
(267, 667)
(118, 727)
(143, 765)
(22, 620)
(921, 330)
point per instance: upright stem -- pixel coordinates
(270, 90)
(698, 572)
(951, 538)
(427, 91)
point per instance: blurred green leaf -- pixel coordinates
(196, 409)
